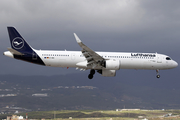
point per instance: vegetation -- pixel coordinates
(92, 114)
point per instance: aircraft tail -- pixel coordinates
(17, 41)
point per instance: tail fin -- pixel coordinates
(17, 41)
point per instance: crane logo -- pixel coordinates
(17, 43)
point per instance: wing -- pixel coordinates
(94, 60)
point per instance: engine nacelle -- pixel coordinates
(107, 73)
(112, 64)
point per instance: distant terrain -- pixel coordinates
(102, 115)
(76, 92)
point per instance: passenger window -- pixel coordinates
(168, 58)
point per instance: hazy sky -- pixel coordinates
(103, 25)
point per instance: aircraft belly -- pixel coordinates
(131, 64)
(148, 65)
(138, 64)
(56, 62)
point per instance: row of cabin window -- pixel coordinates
(130, 57)
(125, 57)
(53, 55)
(102, 56)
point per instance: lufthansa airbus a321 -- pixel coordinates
(105, 63)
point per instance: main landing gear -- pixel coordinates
(92, 72)
(157, 73)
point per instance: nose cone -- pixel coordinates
(175, 64)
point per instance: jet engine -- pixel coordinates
(112, 64)
(107, 73)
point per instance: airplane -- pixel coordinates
(105, 63)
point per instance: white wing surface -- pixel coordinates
(94, 60)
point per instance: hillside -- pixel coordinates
(76, 92)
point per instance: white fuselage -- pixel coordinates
(151, 61)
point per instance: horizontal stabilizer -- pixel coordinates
(14, 51)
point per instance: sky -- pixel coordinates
(103, 25)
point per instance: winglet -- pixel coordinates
(77, 38)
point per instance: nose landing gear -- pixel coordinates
(157, 73)
(92, 72)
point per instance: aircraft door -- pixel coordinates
(119, 64)
(34, 56)
(159, 58)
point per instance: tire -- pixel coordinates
(158, 76)
(92, 71)
(90, 76)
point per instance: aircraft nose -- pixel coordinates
(175, 64)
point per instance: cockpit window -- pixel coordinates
(168, 58)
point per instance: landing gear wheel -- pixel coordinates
(157, 73)
(90, 76)
(158, 76)
(92, 71)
